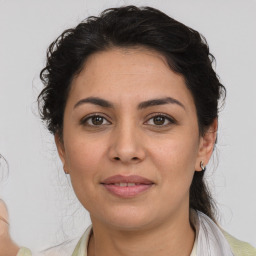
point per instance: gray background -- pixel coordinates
(43, 209)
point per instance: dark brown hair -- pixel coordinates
(185, 50)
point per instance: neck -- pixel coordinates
(175, 238)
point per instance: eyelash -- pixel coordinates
(85, 120)
(167, 117)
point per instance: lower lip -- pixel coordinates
(127, 192)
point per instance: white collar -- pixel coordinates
(209, 240)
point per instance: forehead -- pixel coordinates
(124, 62)
(128, 61)
(129, 74)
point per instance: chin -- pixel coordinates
(128, 219)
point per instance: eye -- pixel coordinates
(160, 120)
(94, 120)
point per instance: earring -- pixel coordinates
(202, 166)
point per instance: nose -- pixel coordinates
(126, 145)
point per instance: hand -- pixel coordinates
(7, 246)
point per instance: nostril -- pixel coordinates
(133, 159)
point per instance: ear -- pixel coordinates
(206, 145)
(61, 151)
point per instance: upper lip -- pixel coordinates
(126, 179)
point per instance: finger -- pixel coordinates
(4, 219)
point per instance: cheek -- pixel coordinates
(83, 160)
(82, 156)
(175, 159)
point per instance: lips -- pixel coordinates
(127, 186)
(127, 179)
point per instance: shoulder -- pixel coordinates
(238, 247)
(75, 247)
(24, 252)
(63, 249)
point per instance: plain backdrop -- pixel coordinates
(43, 209)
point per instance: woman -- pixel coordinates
(132, 100)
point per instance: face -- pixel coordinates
(131, 140)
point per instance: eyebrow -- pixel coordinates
(145, 104)
(161, 101)
(96, 101)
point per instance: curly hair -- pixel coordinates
(185, 50)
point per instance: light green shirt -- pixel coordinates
(24, 252)
(238, 247)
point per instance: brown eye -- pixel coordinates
(160, 120)
(94, 120)
(97, 120)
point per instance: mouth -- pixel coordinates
(127, 186)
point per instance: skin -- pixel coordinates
(129, 141)
(8, 247)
